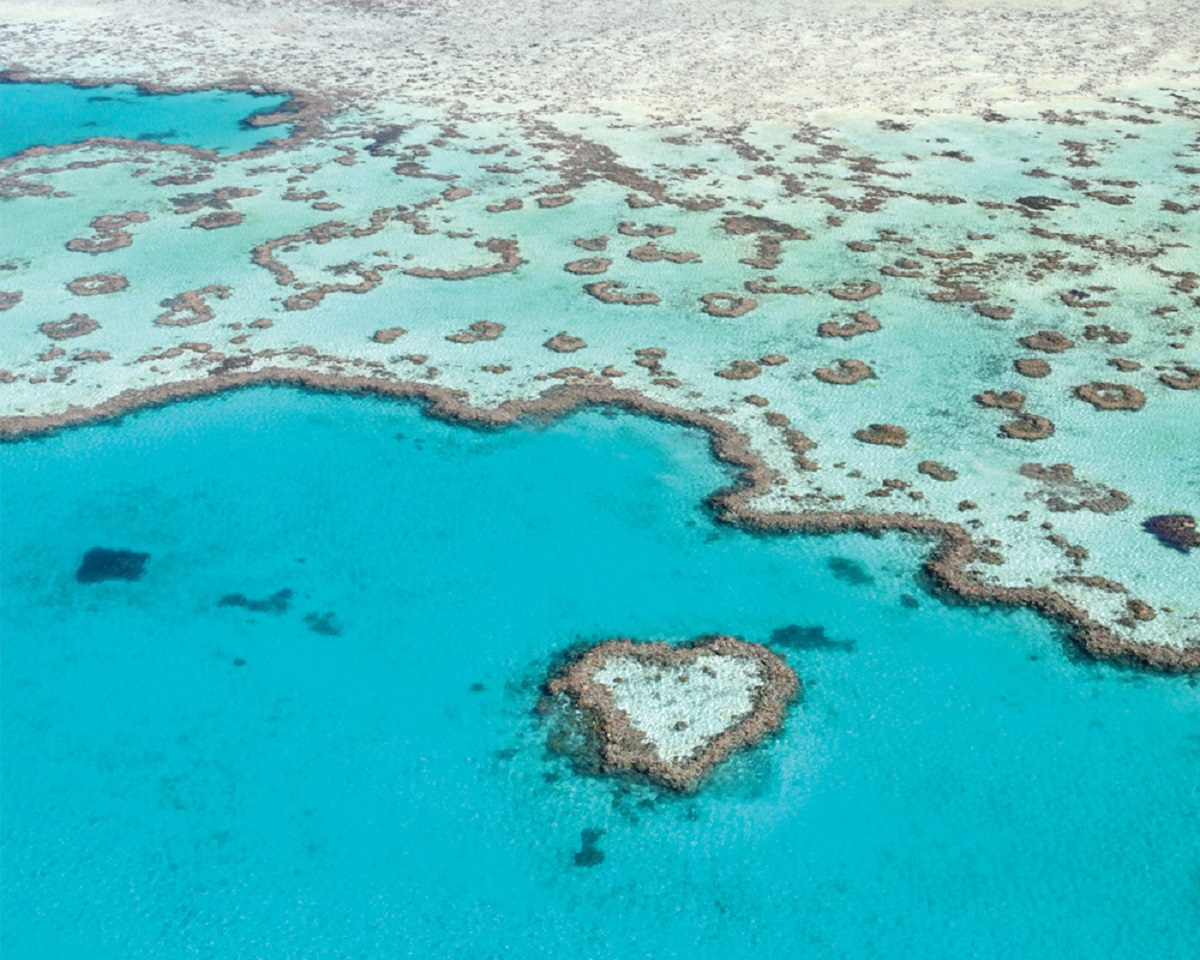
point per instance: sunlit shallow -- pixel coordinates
(362, 773)
(49, 114)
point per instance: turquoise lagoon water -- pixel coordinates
(185, 779)
(49, 114)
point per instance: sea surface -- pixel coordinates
(363, 774)
(49, 114)
(343, 759)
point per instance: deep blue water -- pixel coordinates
(185, 779)
(49, 114)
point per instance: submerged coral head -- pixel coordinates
(100, 563)
(1175, 530)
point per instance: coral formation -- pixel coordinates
(671, 714)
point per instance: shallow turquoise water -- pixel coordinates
(49, 114)
(954, 783)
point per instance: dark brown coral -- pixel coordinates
(860, 322)
(1111, 396)
(845, 372)
(727, 305)
(1047, 341)
(76, 325)
(884, 434)
(1175, 530)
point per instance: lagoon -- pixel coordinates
(51, 114)
(363, 774)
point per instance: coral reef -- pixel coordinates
(97, 283)
(883, 434)
(671, 714)
(76, 325)
(860, 322)
(1111, 396)
(846, 372)
(1175, 530)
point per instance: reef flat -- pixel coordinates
(977, 323)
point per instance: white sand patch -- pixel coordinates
(681, 708)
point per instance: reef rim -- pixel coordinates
(623, 748)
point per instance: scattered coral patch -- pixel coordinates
(740, 226)
(1082, 299)
(76, 325)
(480, 330)
(851, 571)
(506, 250)
(652, 253)
(9, 299)
(768, 285)
(110, 233)
(860, 322)
(589, 853)
(1033, 367)
(905, 267)
(368, 279)
(388, 334)
(323, 623)
(993, 311)
(740, 370)
(91, 356)
(1175, 530)
(796, 637)
(858, 290)
(588, 265)
(845, 372)
(1047, 341)
(563, 342)
(1140, 610)
(1111, 396)
(219, 198)
(630, 229)
(572, 373)
(607, 291)
(883, 434)
(1184, 378)
(1027, 426)
(218, 219)
(1008, 400)
(958, 293)
(191, 306)
(938, 471)
(1102, 331)
(512, 203)
(1039, 202)
(727, 305)
(97, 283)
(276, 603)
(1063, 492)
